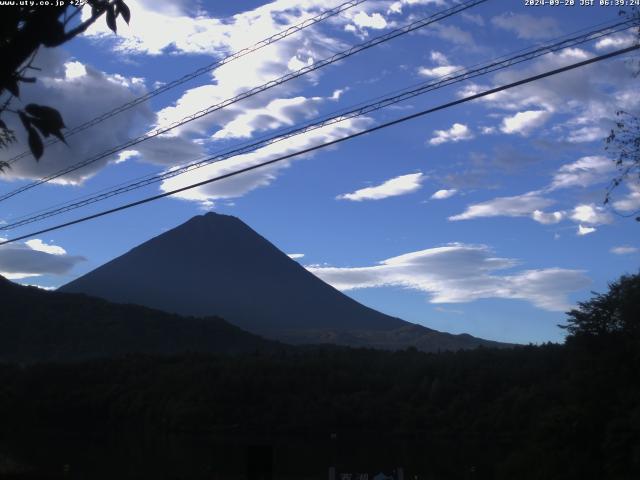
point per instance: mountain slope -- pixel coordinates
(216, 264)
(37, 325)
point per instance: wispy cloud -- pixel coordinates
(591, 214)
(516, 206)
(526, 26)
(443, 66)
(246, 182)
(583, 172)
(459, 273)
(394, 187)
(443, 194)
(456, 133)
(524, 122)
(35, 258)
(624, 250)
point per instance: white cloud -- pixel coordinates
(582, 230)
(436, 72)
(624, 250)
(190, 33)
(620, 40)
(583, 172)
(74, 70)
(528, 27)
(587, 97)
(571, 91)
(443, 194)
(459, 273)
(396, 7)
(443, 66)
(34, 258)
(548, 218)
(394, 187)
(524, 122)
(456, 133)
(241, 184)
(40, 246)
(590, 214)
(439, 57)
(296, 256)
(587, 134)
(295, 63)
(126, 155)
(375, 21)
(516, 206)
(273, 108)
(277, 113)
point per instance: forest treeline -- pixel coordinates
(532, 412)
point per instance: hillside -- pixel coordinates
(37, 325)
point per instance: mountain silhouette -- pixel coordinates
(39, 326)
(217, 265)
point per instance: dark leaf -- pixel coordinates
(122, 9)
(42, 126)
(50, 115)
(111, 19)
(35, 143)
(3, 125)
(27, 79)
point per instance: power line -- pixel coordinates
(446, 80)
(201, 71)
(332, 142)
(254, 91)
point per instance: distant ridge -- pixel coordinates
(41, 326)
(217, 265)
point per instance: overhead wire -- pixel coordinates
(362, 109)
(200, 71)
(253, 91)
(397, 121)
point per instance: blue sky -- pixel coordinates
(485, 218)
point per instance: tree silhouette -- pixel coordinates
(26, 28)
(623, 142)
(614, 313)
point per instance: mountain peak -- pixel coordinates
(215, 264)
(212, 218)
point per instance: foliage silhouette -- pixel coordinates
(26, 28)
(615, 313)
(623, 141)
